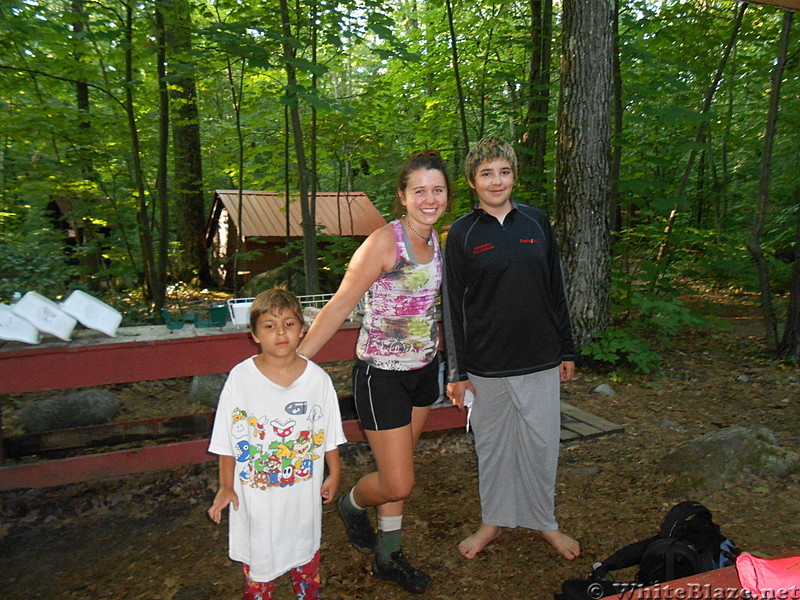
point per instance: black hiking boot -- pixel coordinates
(399, 570)
(359, 529)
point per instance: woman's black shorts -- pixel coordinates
(384, 399)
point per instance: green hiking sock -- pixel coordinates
(350, 506)
(389, 530)
(388, 544)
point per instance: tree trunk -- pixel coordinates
(533, 142)
(286, 179)
(312, 200)
(188, 201)
(237, 91)
(700, 188)
(154, 287)
(615, 211)
(459, 89)
(790, 342)
(162, 199)
(726, 172)
(82, 97)
(583, 161)
(754, 241)
(479, 135)
(310, 265)
(89, 253)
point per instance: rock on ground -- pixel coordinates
(75, 409)
(729, 456)
(205, 389)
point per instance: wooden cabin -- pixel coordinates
(264, 226)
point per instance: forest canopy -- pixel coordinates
(119, 119)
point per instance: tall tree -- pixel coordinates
(310, 265)
(236, 86)
(533, 142)
(154, 285)
(583, 160)
(162, 195)
(615, 212)
(186, 146)
(89, 254)
(457, 75)
(754, 241)
(789, 346)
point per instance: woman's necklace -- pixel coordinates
(428, 239)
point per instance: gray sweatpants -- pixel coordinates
(517, 425)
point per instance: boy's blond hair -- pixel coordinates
(488, 149)
(273, 301)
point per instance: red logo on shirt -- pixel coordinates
(483, 248)
(529, 241)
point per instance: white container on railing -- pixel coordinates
(15, 328)
(92, 313)
(45, 315)
(240, 310)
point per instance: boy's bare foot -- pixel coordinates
(472, 545)
(564, 544)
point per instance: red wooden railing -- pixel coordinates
(59, 366)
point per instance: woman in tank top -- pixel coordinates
(397, 271)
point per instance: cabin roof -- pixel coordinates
(264, 213)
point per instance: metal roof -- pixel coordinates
(793, 5)
(264, 215)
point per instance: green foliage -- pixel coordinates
(384, 87)
(34, 263)
(715, 257)
(334, 253)
(648, 311)
(648, 296)
(620, 346)
(645, 321)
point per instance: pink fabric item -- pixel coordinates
(777, 579)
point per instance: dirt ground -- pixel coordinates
(147, 536)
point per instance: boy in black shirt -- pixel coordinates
(509, 341)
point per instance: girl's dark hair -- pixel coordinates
(424, 159)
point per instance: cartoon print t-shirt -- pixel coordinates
(278, 437)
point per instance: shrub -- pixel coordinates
(36, 263)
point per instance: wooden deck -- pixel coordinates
(580, 424)
(147, 353)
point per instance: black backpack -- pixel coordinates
(688, 542)
(665, 559)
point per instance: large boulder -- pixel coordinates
(75, 409)
(205, 389)
(732, 455)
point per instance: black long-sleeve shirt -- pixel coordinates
(505, 307)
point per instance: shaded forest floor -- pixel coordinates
(147, 536)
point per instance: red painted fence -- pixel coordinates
(97, 361)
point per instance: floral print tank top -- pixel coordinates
(399, 331)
